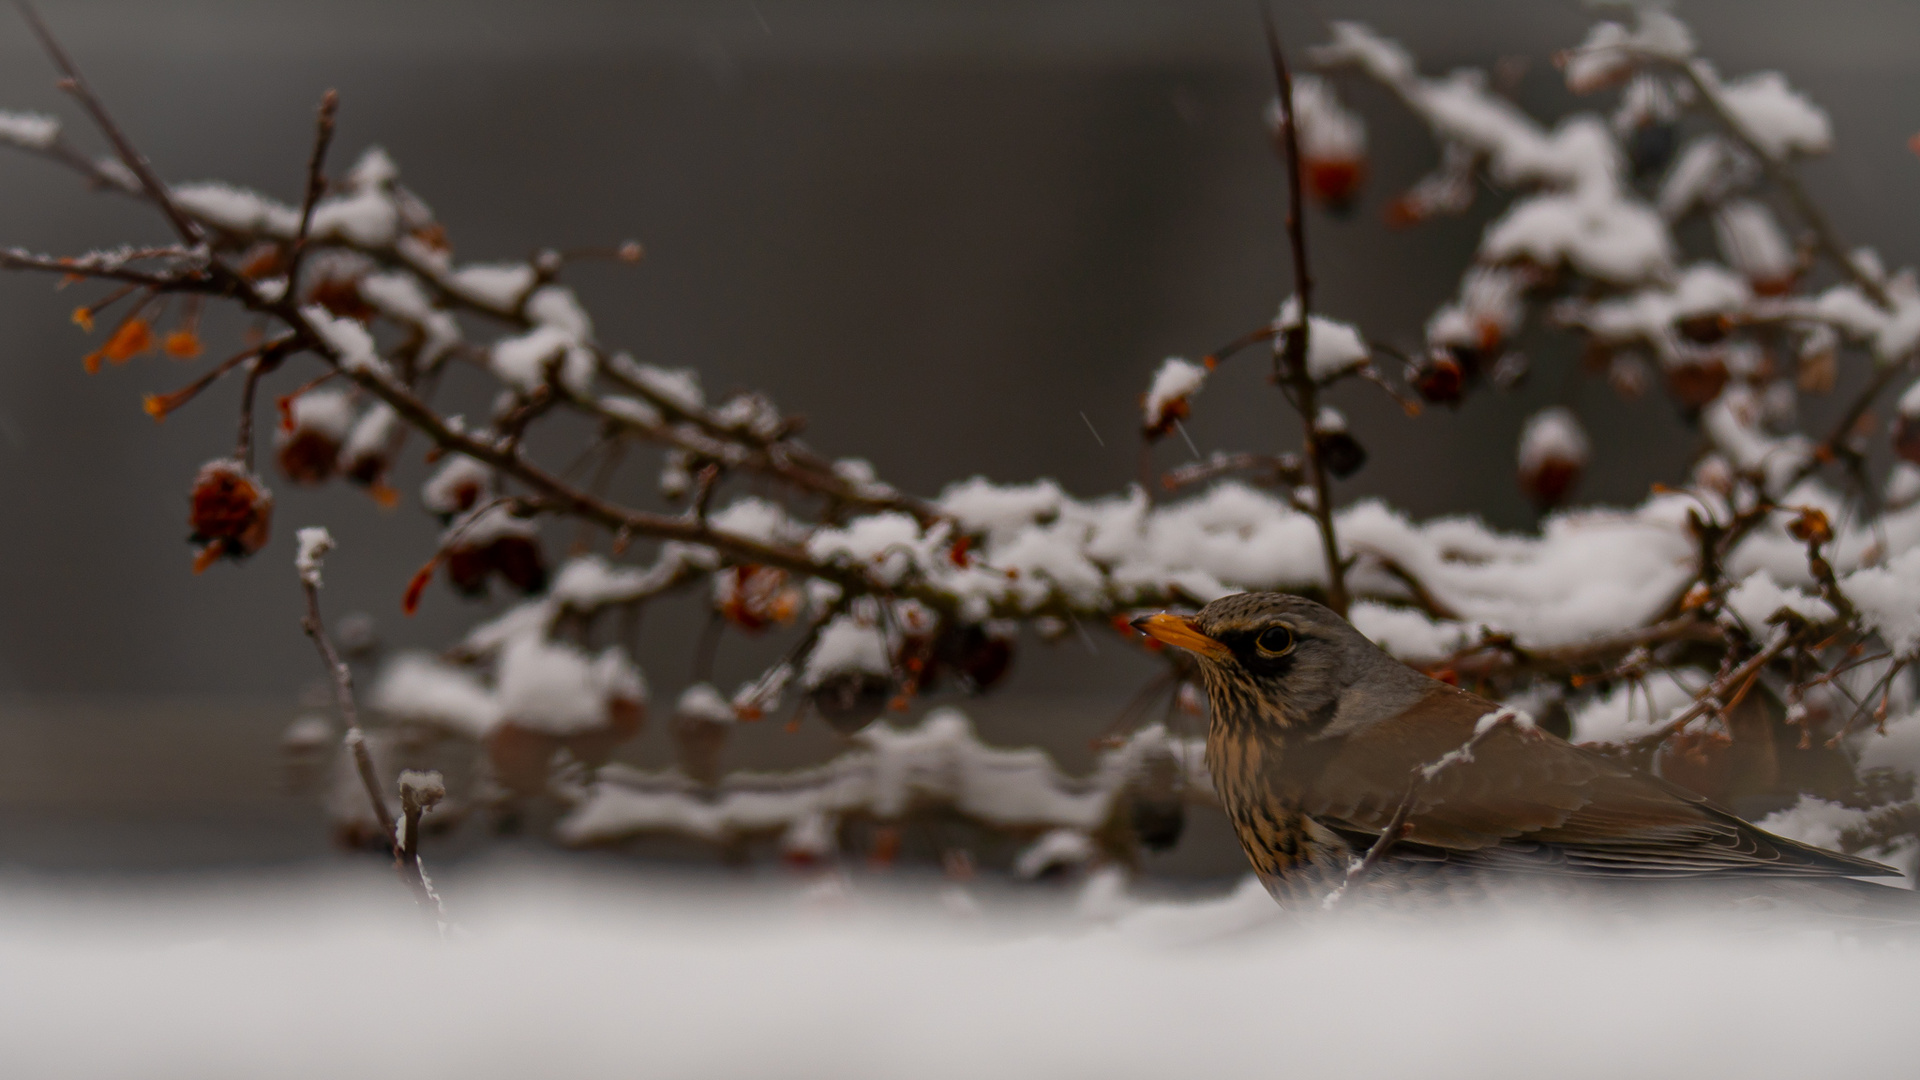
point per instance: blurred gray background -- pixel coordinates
(940, 230)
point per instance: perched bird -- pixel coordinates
(1316, 736)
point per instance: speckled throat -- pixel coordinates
(1246, 742)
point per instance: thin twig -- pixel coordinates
(74, 83)
(243, 448)
(316, 182)
(1296, 372)
(1712, 699)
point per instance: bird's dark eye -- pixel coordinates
(1274, 641)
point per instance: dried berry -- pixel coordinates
(1335, 182)
(494, 542)
(457, 487)
(753, 597)
(1553, 453)
(1335, 446)
(1650, 148)
(848, 701)
(1810, 526)
(1709, 328)
(520, 757)
(1156, 807)
(308, 444)
(1439, 379)
(702, 723)
(1695, 383)
(980, 653)
(231, 513)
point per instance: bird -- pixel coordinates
(1317, 736)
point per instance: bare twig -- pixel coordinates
(316, 181)
(1714, 699)
(1295, 371)
(75, 84)
(243, 447)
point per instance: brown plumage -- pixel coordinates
(1315, 735)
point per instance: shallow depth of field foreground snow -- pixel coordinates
(567, 976)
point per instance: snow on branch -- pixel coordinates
(1775, 568)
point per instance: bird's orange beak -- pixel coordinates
(1181, 632)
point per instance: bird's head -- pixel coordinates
(1270, 659)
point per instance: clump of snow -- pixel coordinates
(889, 544)
(1327, 131)
(314, 545)
(632, 410)
(846, 646)
(590, 582)
(1621, 714)
(1758, 598)
(1753, 243)
(349, 341)
(1650, 316)
(1888, 599)
(1409, 634)
(679, 387)
(1175, 382)
(753, 414)
(702, 702)
(500, 286)
(370, 437)
(1000, 511)
(423, 787)
(525, 361)
(1734, 422)
(558, 689)
(307, 734)
(558, 307)
(367, 217)
(1611, 50)
(1056, 849)
(457, 485)
(1488, 311)
(31, 131)
(1814, 821)
(400, 297)
(326, 412)
(235, 209)
(1553, 435)
(422, 689)
(373, 169)
(1333, 348)
(1612, 239)
(1707, 170)
(758, 519)
(1778, 118)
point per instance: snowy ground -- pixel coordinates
(569, 975)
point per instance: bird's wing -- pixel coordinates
(1528, 790)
